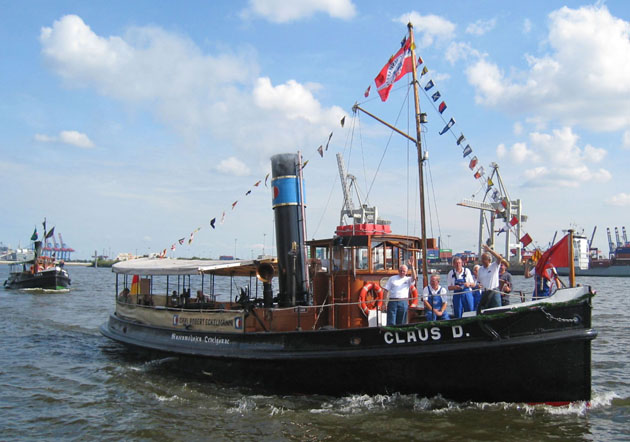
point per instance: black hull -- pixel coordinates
(47, 280)
(540, 354)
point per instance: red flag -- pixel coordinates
(257, 183)
(473, 163)
(526, 240)
(397, 67)
(514, 221)
(234, 204)
(556, 256)
(367, 91)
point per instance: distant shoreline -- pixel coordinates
(68, 263)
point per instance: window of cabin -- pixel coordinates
(322, 257)
(361, 258)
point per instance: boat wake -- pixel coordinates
(37, 291)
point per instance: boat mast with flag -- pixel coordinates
(312, 320)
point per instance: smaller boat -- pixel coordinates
(41, 272)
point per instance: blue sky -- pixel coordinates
(131, 124)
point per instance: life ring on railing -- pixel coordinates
(376, 292)
(413, 297)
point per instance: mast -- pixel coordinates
(423, 228)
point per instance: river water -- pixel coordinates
(61, 380)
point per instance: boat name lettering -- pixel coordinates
(207, 339)
(422, 335)
(182, 320)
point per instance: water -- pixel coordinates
(61, 380)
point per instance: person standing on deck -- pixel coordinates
(397, 294)
(505, 284)
(460, 281)
(477, 288)
(489, 278)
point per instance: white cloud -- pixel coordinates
(583, 80)
(460, 51)
(199, 95)
(626, 140)
(481, 27)
(517, 128)
(233, 166)
(282, 11)
(71, 137)
(430, 28)
(620, 200)
(527, 26)
(564, 163)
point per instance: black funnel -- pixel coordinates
(289, 230)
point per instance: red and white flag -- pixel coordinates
(398, 65)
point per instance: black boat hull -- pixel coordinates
(530, 354)
(47, 280)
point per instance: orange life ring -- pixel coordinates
(413, 298)
(366, 304)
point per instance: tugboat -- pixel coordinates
(324, 330)
(41, 272)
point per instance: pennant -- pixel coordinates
(257, 183)
(467, 151)
(502, 230)
(367, 91)
(248, 192)
(556, 256)
(479, 173)
(448, 126)
(436, 96)
(222, 217)
(320, 149)
(304, 164)
(473, 163)
(44, 224)
(266, 177)
(504, 202)
(181, 241)
(420, 61)
(34, 235)
(212, 221)
(496, 195)
(51, 233)
(343, 121)
(490, 183)
(537, 255)
(514, 221)
(461, 139)
(442, 107)
(397, 67)
(424, 71)
(163, 254)
(526, 240)
(429, 85)
(192, 236)
(173, 247)
(234, 204)
(329, 137)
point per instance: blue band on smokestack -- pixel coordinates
(286, 191)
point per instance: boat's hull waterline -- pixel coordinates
(52, 279)
(536, 353)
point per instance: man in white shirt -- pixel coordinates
(489, 278)
(397, 294)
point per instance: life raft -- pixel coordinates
(371, 297)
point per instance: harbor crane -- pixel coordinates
(501, 208)
(362, 215)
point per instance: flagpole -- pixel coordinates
(423, 228)
(571, 260)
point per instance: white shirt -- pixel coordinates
(489, 276)
(453, 274)
(398, 287)
(440, 291)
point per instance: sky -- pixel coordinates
(131, 125)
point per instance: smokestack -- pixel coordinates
(289, 230)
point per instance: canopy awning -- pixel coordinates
(169, 266)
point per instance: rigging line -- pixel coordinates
(391, 134)
(437, 215)
(408, 166)
(333, 184)
(426, 94)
